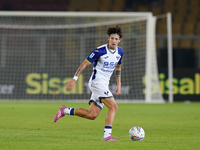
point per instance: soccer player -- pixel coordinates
(105, 60)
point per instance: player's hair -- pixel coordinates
(113, 30)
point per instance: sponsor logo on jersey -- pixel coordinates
(91, 55)
(106, 57)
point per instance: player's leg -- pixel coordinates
(92, 113)
(112, 110)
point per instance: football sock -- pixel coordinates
(70, 111)
(107, 131)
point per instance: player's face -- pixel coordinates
(114, 40)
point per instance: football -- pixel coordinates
(136, 133)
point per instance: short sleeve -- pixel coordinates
(93, 56)
(121, 54)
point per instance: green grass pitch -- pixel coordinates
(28, 125)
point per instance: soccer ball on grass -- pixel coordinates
(136, 133)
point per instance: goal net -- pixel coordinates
(41, 51)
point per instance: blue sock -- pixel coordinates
(70, 111)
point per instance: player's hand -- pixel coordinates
(118, 89)
(70, 84)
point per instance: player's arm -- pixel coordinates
(72, 82)
(82, 67)
(118, 76)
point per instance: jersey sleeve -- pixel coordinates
(120, 60)
(93, 56)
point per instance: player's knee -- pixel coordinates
(114, 107)
(93, 117)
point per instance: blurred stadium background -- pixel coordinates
(185, 26)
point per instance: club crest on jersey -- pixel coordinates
(91, 55)
(117, 57)
(106, 92)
